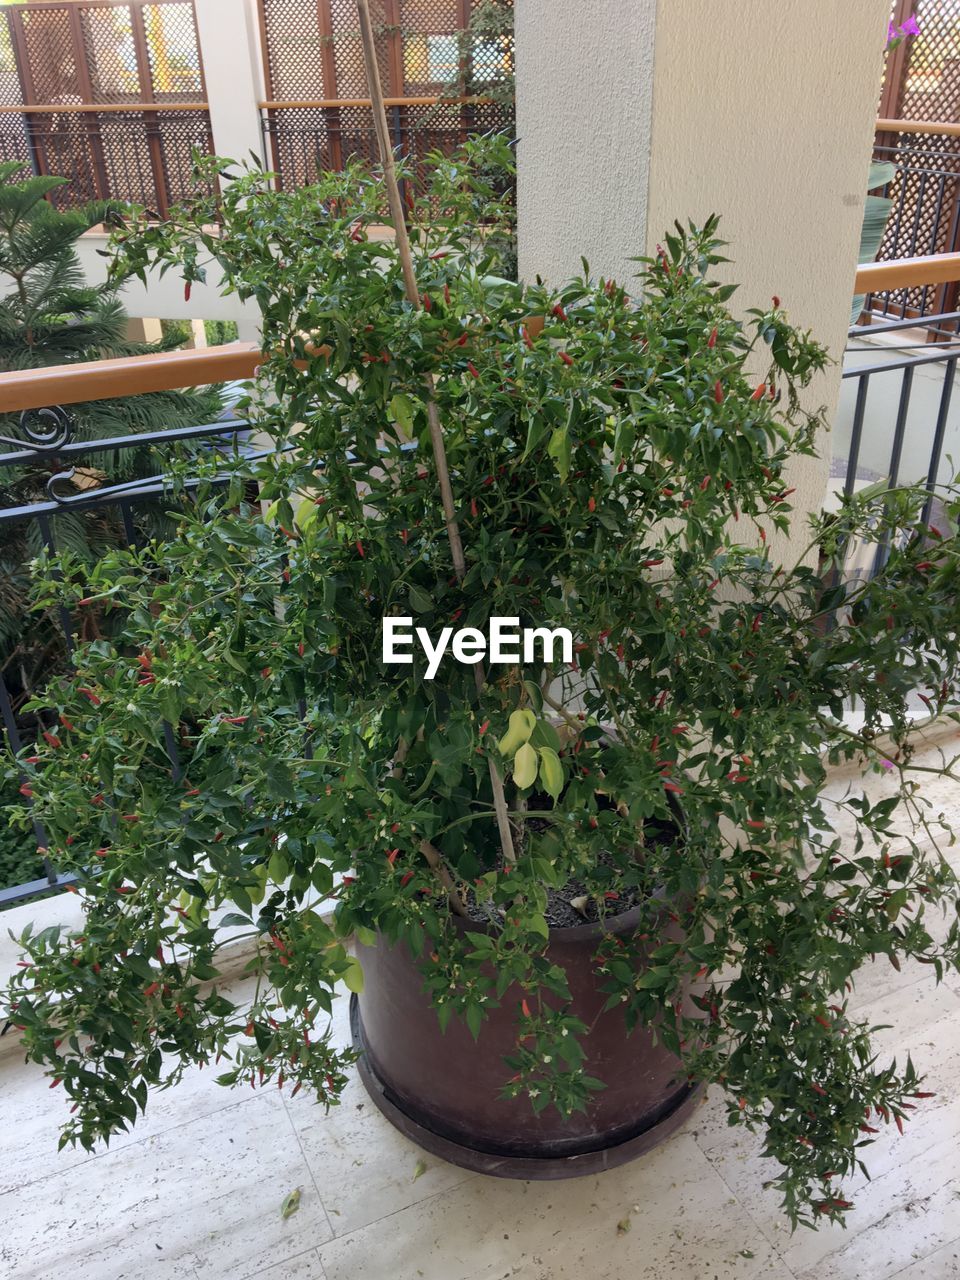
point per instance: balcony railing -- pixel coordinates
(44, 441)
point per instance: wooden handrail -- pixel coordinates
(907, 273)
(170, 370)
(317, 103)
(941, 127)
(96, 108)
(130, 376)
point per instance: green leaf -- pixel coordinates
(353, 977)
(525, 766)
(291, 1203)
(559, 450)
(403, 411)
(474, 1018)
(420, 601)
(519, 729)
(551, 772)
(277, 868)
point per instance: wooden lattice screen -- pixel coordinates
(922, 83)
(316, 117)
(107, 93)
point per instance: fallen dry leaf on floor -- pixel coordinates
(420, 1170)
(291, 1203)
(623, 1226)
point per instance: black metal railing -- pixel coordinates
(897, 411)
(44, 441)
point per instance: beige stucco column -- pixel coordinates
(233, 73)
(631, 114)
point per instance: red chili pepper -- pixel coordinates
(446, 294)
(591, 504)
(775, 300)
(88, 693)
(473, 507)
(672, 786)
(67, 724)
(187, 290)
(705, 483)
(527, 340)
(26, 791)
(392, 856)
(756, 824)
(265, 673)
(525, 1009)
(152, 990)
(472, 369)
(559, 312)
(759, 393)
(565, 358)
(235, 719)
(712, 340)
(718, 391)
(427, 304)
(462, 340)
(359, 545)
(404, 880)
(484, 727)
(435, 257)
(650, 564)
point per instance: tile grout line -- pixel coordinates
(137, 1142)
(287, 1262)
(309, 1169)
(949, 1244)
(745, 1209)
(404, 1208)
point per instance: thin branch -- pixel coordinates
(433, 413)
(435, 859)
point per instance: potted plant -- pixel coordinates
(579, 888)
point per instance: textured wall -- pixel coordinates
(583, 124)
(762, 111)
(233, 72)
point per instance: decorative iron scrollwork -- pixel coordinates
(62, 477)
(46, 430)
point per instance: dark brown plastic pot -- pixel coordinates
(442, 1088)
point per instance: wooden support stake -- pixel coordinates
(433, 414)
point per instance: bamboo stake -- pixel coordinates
(433, 414)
